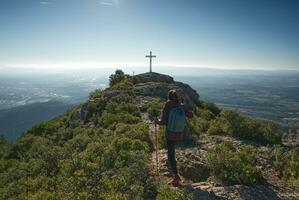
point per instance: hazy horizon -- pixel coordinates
(53, 34)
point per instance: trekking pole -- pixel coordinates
(157, 159)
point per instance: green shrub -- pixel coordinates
(6, 164)
(122, 98)
(165, 193)
(204, 114)
(231, 166)
(111, 119)
(117, 77)
(46, 128)
(128, 108)
(286, 162)
(96, 94)
(134, 131)
(198, 125)
(154, 108)
(215, 128)
(211, 107)
(125, 84)
(271, 133)
(233, 124)
(199, 103)
(161, 137)
(5, 147)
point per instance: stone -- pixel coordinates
(158, 85)
(191, 166)
(193, 170)
(240, 192)
(152, 77)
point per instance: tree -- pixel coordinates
(117, 77)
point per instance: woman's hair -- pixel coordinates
(173, 96)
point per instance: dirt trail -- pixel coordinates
(162, 173)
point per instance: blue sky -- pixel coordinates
(235, 34)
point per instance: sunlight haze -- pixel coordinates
(111, 33)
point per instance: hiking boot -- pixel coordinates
(175, 181)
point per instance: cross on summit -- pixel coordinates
(150, 57)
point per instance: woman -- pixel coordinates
(172, 137)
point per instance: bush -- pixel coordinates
(117, 77)
(286, 162)
(161, 137)
(211, 107)
(198, 125)
(111, 119)
(215, 128)
(204, 114)
(135, 131)
(5, 147)
(154, 108)
(165, 193)
(233, 124)
(125, 84)
(271, 133)
(231, 166)
(96, 94)
(128, 108)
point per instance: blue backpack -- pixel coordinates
(176, 120)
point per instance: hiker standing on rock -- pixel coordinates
(174, 118)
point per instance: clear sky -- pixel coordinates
(107, 33)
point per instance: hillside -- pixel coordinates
(14, 121)
(106, 148)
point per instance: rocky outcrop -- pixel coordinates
(241, 192)
(193, 170)
(152, 77)
(158, 85)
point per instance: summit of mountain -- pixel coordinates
(107, 148)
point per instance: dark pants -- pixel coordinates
(171, 155)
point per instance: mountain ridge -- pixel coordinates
(101, 150)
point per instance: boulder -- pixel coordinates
(242, 192)
(193, 170)
(191, 166)
(152, 77)
(158, 85)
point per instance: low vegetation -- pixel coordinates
(161, 137)
(231, 166)
(53, 160)
(166, 193)
(154, 108)
(99, 150)
(117, 77)
(120, 81)
(286, 162)
(233, 124)
(211, 120)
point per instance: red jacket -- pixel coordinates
(167, 107)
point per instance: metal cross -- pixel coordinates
(150, 57)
